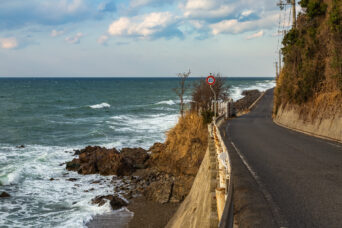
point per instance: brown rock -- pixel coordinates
(4, 195)
(72, 179)
(115, 201)
(250, 96)
(159, 191)
(108, 161)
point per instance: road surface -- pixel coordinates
(302, 174)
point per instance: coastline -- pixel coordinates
(146, 212)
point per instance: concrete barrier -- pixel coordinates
(224, 188)
(209, 203)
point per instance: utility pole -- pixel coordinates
(294, 16)
(282, 4)
(279, 61)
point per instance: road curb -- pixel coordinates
(306, 132)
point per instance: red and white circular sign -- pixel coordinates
(211, 80)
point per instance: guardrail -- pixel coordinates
(224, 188)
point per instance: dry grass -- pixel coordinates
(311, 80)
(188, 130)
(185, 146)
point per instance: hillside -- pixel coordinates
(308, 95)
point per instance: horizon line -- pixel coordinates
(122, 77)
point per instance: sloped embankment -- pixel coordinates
(195, 210)
(308, 96)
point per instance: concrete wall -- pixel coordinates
(330, 128)
(199, 207)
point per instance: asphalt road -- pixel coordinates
(301, 173)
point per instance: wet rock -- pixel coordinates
(72, 179)
(115, 201)
(4, 195)
(52, 179)
(21, 146)
(77, 152)
(104, 161)
(96, 182)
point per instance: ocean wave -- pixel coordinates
(169, 102)
(142, 130)
(236, 91)
(98, 106)
(27, 174)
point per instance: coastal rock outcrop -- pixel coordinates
(105, 161)
(250, 96)
(4, 195)
(164, 176)
(115, 201)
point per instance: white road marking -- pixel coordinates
(282, 222)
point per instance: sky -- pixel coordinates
(117, 38)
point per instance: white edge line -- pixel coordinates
(282, 222)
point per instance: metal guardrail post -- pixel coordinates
(227, 217)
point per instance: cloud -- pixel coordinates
(147, 25)
(8, 43)
(103, 39)
(235, 26)
(207, 9)
(142, 3)
(17, 13)
(75, 39)
(255, 35)
(55, 33)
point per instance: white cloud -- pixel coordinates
(206, 8)
(75, 39)
(8, 43)
(144, 25)
(255, 35)
(246, 13)
(199, 4)
(103, 39)
(234, 26)
(55, 33)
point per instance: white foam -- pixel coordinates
(62, 203)
(236, 91)
(147, 129)
(98, 106)
(169, 102)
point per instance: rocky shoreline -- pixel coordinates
(135, 168)
(138, 183)
(150, 183)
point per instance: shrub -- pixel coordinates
(335, 18)
(207, 116)
(316, 8)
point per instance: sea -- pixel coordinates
(42, 120)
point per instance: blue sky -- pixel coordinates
(137, 37)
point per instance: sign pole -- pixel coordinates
(214, 99)
(211, 81)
